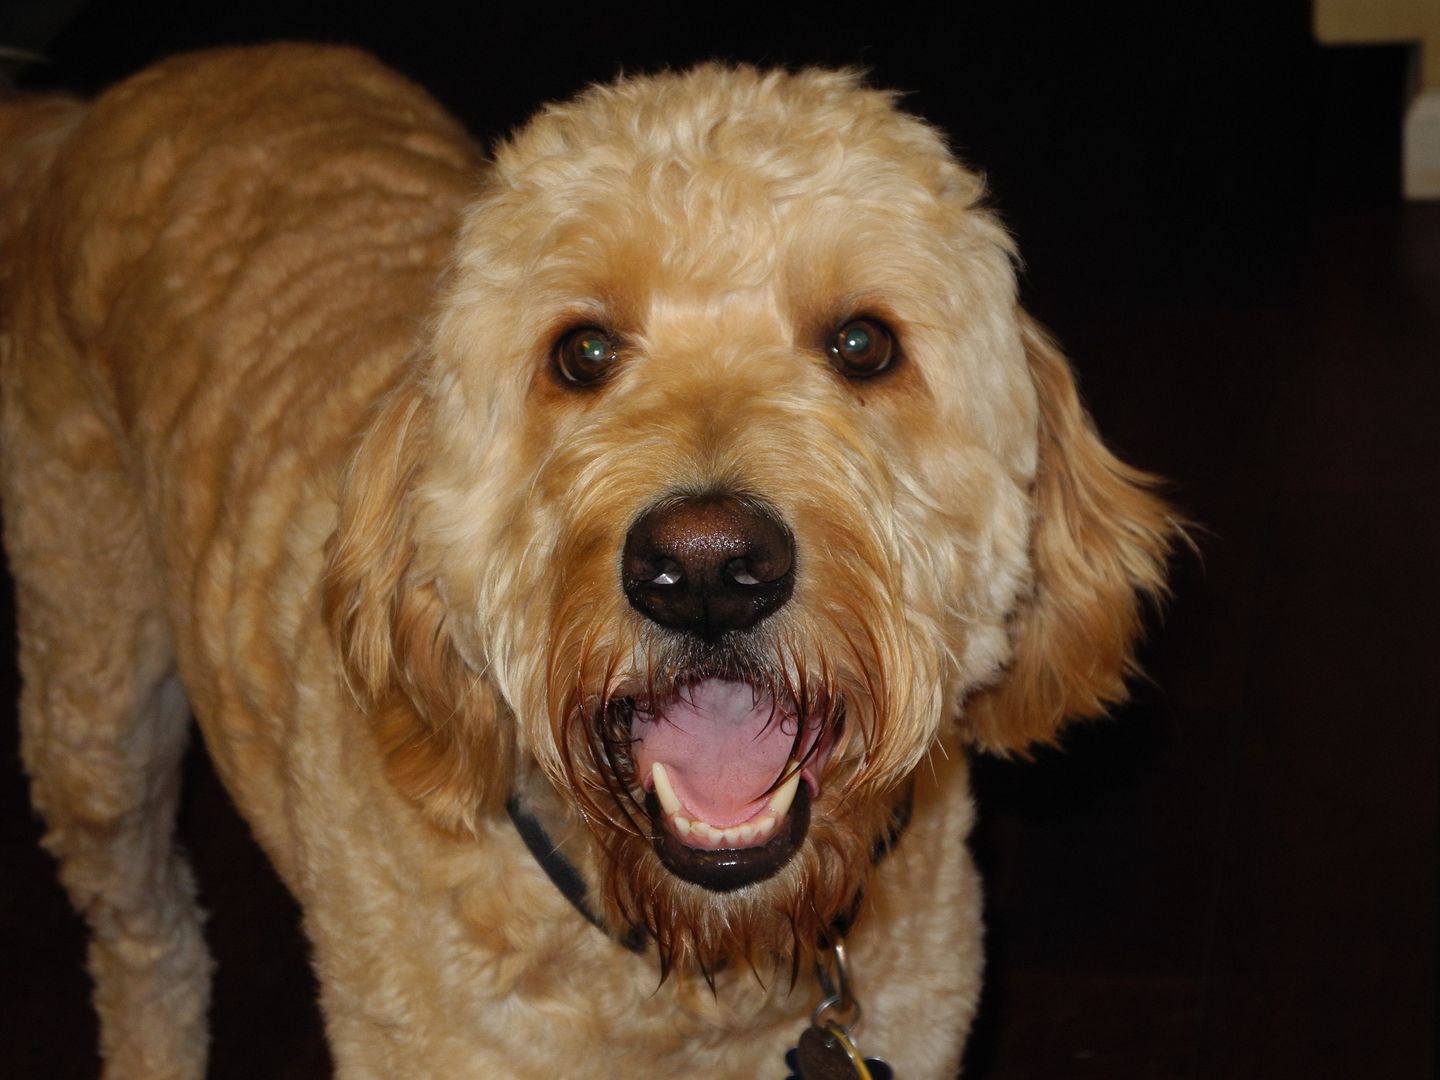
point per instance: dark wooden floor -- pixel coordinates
(1236, 876)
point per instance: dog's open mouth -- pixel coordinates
(729, 774)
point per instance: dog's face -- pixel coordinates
(732, 475)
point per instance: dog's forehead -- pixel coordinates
(720, 160)
(809, 185)
(723, 178)
(788, 127)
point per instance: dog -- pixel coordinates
(589, 568)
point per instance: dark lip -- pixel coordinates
(731, 868)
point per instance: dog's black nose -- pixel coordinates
(708, 564)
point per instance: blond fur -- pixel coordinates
(281, 428)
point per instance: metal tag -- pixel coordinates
(828, 1053)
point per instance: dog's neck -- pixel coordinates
(562, 873)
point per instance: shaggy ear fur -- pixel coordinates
(1098, 548)
(433, 718)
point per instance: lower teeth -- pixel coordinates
(757, 830)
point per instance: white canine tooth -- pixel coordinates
(764, 827)
(682, 825)
(785, 795)
(663, 789)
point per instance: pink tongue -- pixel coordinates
(722, 749)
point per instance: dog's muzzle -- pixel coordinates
(728, 766)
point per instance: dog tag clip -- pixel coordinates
(827, 1052)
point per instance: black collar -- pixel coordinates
(567, 879)
(561, 871)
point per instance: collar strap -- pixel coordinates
(563, 875)
(561, 871)
(885, 843)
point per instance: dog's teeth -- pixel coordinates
(756, 831)
(781, 800)
(663, 789)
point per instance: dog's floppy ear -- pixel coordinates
(433, 717)
(1098, 547)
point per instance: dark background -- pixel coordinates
(1235, 876)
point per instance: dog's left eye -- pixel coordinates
(585, 356)
(862, 347)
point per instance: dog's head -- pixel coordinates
(731, 474)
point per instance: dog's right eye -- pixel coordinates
(585, 356)
(862, 347)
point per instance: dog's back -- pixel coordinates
(206, 278)
(32, 132)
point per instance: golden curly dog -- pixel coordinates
(588, 569)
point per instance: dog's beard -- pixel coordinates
(818, 728)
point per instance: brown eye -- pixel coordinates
(862, 347)
(585, 356)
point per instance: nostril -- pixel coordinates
(738, 571)
(667, 572)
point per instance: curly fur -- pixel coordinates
(282, 340)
